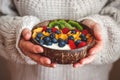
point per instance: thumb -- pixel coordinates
(26, 34)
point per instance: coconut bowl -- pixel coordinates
(63, 56)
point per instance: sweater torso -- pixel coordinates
(57, 9)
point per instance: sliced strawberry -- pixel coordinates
(44, 28)
(82, 44)
(65, 30)
(71, 44)
(85, 32)
(54, 29)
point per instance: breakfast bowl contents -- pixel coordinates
(63, 41)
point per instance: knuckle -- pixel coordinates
(34, 49)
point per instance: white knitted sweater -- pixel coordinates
(31, 12)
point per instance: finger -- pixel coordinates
(26, 34)
(77, 65)
(97, 32)
(42, 60)
(52, 65)
(96, 48)
(84, 61)
(87, 59)
(30, 47)
(89, 23)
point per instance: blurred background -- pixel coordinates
(5, 75)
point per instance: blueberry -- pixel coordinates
(58, 32)
(48, 43)
(82, 35)
(61, 44)
(70, 38)
(77, 42)
(73, 31)
(49, 30)
(66, 41)
(84, 38)
(41, 42)
(37, 39)
(39, 35)
(52, 35)
(47, 39)
(54, 40)
(59, 40)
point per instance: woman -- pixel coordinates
(19, 16)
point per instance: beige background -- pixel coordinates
(5, 75)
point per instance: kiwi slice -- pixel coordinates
(53, 23)
(63, 22)
(75, 24)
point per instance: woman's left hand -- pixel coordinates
(98, 46)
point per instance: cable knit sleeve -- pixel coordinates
(109, 20)
(11, 27)
(10, 32)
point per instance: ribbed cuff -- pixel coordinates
(26, 22)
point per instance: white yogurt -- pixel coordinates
(55, 46)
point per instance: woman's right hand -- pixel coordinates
(32, 50)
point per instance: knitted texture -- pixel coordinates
(54, 9)
(110, 33)
(104, 12)
(76, 9)
(10, 32)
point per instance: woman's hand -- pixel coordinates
(99, 43)
(32, 50)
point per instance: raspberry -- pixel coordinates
(85, 32)
(71, 44)
(44, 28)
(54, 29)
(65, 30)
(82, 44)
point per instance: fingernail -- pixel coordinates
(82, 62)
(41, 50)
(76, 66)
(27, 35)
(54, 66)
(47, 61)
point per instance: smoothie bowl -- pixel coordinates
(63, 41)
